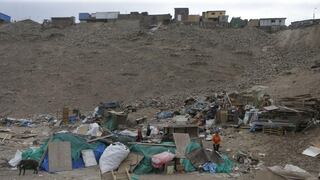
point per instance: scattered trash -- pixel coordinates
(164, 115)
(159, 160)
(312, 151)
(290, 172)
(210, 167)
(16, 160)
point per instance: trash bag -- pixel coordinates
(164, 115)
(16, 160)
(159, 160)
(188, 167)
(112, 157)
(210, 167)
(94, 129)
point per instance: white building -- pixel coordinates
(265, 22)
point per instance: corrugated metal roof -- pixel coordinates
(5, 17)
(271, 18)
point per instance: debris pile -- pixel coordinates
(173, 141)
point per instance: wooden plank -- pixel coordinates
(5, 136)
(59, 156)
(130, 162)
(96, 139)
(152, 144)
(181, 140)
(128, 175)
(65, 115)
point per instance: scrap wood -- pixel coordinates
(152, 144)
(4, 139)
(59, 156)
(130, 162)
(5, 130)
(99, 138)
(116, 175)
(24, 136)
(181, 141)
(5, 136)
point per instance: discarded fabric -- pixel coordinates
(159, 160)
(210, 167)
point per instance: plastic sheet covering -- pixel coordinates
(188, 167)
(226, 166)
(77, 144)
(145, 165)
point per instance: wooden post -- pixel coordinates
(65, 115)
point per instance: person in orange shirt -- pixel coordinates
(216, 139)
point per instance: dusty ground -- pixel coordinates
(278, 150)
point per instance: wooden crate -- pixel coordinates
(274, 131)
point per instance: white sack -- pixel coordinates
(16, 160)
(112, 157)
(94, 130)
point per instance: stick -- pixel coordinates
(96, 139)
(152, 144)
(5, 138)
(128, 175)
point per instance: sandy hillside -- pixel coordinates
(44, 69)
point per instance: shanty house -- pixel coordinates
(212, 19)
(62, 22)
(84, 17)
(155, 19)
(213, 15)
(304, 23)
(254, 23)
(272, 22)
(105, 16)
(237, 22)
(181, 14)
(4, 18)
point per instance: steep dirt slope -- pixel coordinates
(42, 70)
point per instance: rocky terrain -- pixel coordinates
(44, 69)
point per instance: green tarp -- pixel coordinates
(188, 167)
(77, 144)
(145, 166)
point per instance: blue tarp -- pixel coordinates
(79, 163)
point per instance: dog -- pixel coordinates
(28, 164)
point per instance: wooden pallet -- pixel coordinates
(121, 175)
(274, 131)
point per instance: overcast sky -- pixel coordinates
(248, 9)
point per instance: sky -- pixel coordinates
(38, 10)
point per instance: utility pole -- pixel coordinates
(314, 13)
